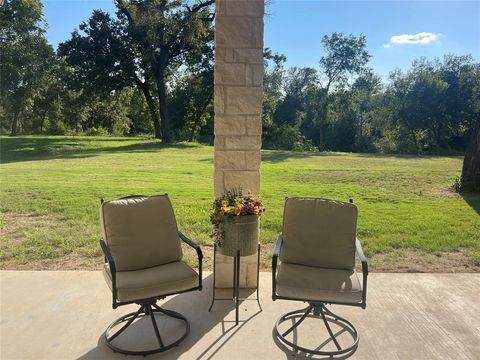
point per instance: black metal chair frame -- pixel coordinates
(317, 309)
(148, 307)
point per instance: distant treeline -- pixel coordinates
(117, 75)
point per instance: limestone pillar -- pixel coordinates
(238, 107)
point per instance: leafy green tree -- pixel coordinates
(364, 89)
(346, 56)
(470, 179)
(191, 103)
(105, 59)
(168, 34)
(25, 56)
(273, 83)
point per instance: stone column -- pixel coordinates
(238, 107)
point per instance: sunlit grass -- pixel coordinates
(51, 189)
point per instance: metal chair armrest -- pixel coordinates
(113, 270)
(363, 259)
(276, 253)
(198, 249)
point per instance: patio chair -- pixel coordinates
(317, 253)
(143, 263)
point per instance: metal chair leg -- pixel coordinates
(317, 311)
(155, 327)
(149, 309)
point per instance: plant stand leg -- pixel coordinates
(258, 278)
(213, 287)
(237, 286)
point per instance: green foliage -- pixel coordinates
(26, 59)
(431, 108)
(119, 75)
(93, 131)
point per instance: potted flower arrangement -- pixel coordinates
(236, 223)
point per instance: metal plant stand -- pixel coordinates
(236, 282)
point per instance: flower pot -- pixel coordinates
(239, 233)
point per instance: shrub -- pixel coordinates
(288, 137)
(100, 131)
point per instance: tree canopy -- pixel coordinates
(149, 69)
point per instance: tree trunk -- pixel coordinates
(197, 119)
(151, 106)
(162, 101)
(323, 118)
(321, 127)
(42, 121)
(470, 180)
(14, 130)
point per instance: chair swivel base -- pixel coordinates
(146, 310)
(318, 311)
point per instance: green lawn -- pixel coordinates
(51, 186)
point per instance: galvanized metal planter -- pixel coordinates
(239, 233)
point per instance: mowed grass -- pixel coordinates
(51, 189)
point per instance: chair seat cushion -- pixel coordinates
(318, 284)
(153, 282)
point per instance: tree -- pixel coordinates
(168, 34)
(105, 59)
(365, 87)
(191, 101)
(25, 56)
(470, 179)
(345, 57)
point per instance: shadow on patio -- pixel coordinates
(62, 315)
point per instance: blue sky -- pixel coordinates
(295, 28)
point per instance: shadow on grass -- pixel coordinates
(472, 199)
(409, 156)
(19, 149)
(276, 156)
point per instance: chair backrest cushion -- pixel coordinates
(141, 232)
(319, 232)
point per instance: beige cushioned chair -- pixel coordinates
(317, 253)
(143, 262)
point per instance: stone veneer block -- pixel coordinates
(257, 39)
(230, 160)
(248, 271)
(250, 56)
(243, 142)
(254, 125)
(238, 100)
(248, 180)
(219, 99)
(253, 159)
(254, 74)
(251, 8)
(230, 125)
(232, 74)
(235, 32)
(218, 182)
(243, 100)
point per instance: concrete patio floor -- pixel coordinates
(62, 315)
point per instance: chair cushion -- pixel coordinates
(318, 284)
(319, 232)
(141, 232)
(153, 282)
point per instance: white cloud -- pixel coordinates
(419, 38)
